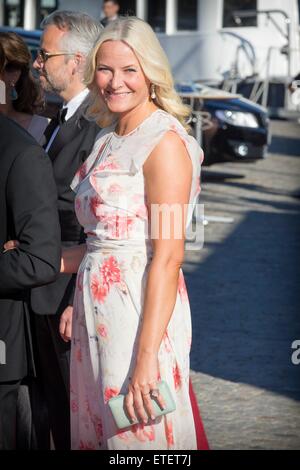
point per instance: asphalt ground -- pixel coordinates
(244, 293)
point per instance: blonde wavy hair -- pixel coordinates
(140, 37)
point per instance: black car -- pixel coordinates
(229, 127)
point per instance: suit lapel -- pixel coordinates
(68, 130)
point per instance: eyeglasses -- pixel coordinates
(43, 56)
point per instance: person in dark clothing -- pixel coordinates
(28, 213)
(110, 9)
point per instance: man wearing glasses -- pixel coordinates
(67, 39)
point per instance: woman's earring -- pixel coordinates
(152, 93)
(13, 92)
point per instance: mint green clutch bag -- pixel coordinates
(116, 405)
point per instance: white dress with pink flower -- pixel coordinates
(108, 305)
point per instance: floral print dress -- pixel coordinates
(108, 306)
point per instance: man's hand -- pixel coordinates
(65, 324)
(10, 245)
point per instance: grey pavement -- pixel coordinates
(245, 298)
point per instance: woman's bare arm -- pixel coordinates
(71, 258)
(168, 176)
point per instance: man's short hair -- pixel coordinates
(82, 29)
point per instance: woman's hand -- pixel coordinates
(10, 245)
(142, 387)
(65, 324)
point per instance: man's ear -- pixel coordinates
(79, 60)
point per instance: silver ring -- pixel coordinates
(154, 393)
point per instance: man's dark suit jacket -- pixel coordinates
(70, 148)
(28, 213)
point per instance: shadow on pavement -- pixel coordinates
(285, 145)
(245, 304)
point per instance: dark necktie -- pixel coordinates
(58, 120)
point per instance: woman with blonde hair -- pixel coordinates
(131, 320)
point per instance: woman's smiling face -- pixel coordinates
(120, 78)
